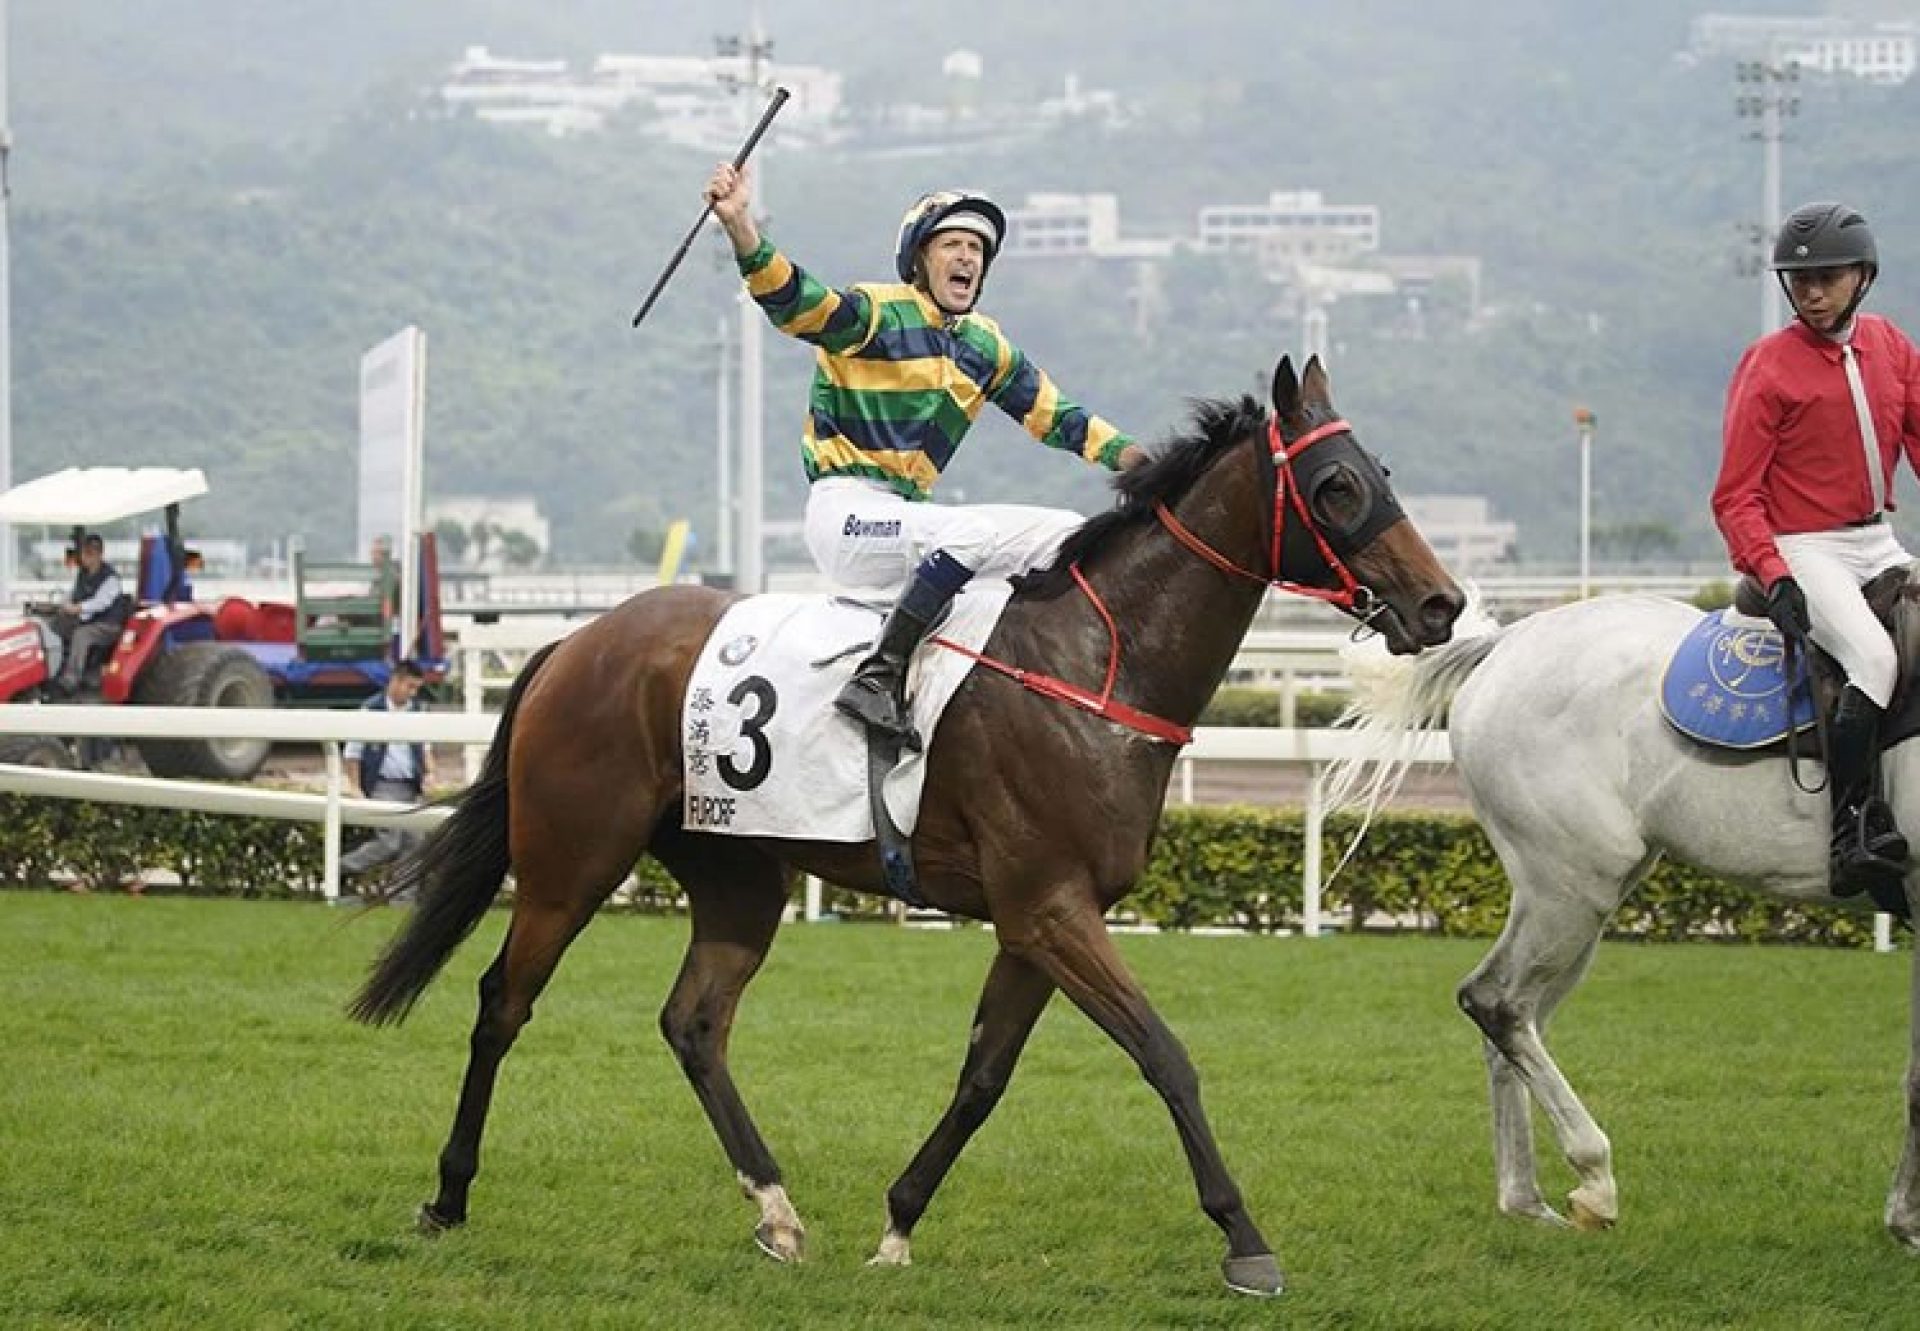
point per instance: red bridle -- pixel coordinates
(1351, 594)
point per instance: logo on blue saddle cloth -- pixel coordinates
(1725, 686)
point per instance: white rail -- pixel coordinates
(1313, 748)
(328, 729)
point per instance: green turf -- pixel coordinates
(195, 1137)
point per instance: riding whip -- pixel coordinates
(780, 96)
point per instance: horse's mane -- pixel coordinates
(1176, 465)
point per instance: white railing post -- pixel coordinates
(330, 874)
(1882, 932)
(1186, 778)
(1310, 854)
(813, 899)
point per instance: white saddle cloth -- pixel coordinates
(767, 754)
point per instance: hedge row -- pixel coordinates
(1233, 867)
(1247, 705)
(1434, 872)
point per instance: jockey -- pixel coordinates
(902, 372)
(1817, 415)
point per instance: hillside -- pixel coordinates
(208, 236)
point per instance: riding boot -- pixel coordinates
(1867, 845)
(876, 695)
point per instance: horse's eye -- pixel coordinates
(1340, 499)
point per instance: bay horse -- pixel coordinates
(1582, 786)
(584, 776)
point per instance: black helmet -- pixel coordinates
(1825, 235)
(948, 210)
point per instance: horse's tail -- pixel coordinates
(1396, 701)
(454, 875)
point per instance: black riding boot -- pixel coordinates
(1867, 845)
(876, 695)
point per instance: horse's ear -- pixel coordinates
(1286, 390)
(1315, 387)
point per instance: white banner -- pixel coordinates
(393, 396)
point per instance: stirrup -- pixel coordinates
(879, 710)
(1858, 863)
(1866, 832)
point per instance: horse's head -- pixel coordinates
(1338, 527)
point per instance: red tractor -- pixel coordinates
(175, 651)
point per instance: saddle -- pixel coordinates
(1725, 685)
(1894, 598)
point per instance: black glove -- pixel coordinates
(1787, 608)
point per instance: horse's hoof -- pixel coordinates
(783, 1243)
(893, 1251)
(1258, 1275)
(1905, 1230)
(1585, 1217)
(430, 1222)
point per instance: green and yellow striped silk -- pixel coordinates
(897, 383)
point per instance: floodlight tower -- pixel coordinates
(1768, 92)
(750, 513)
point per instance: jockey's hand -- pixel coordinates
(1787, 608)
(1134, 456)
(730, 194)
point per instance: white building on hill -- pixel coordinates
(692, 99)
(1877, 51)
(1462, 530)
(1291, 225)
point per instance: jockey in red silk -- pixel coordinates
(903, 371)
(1817, 416)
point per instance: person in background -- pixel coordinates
(93, 614)
(1817, 416)
(398, 773)
(903, 370)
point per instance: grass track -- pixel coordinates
(194, 1137)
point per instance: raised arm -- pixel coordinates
(793, 301)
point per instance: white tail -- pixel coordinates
(1395, 699)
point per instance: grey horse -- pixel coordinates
(1582, 786)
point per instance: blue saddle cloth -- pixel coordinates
(1725, 686)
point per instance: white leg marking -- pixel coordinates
(893, 1250)
(780, 1234)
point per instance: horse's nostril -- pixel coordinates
(1438, 612)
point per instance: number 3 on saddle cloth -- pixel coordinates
(767, 755)
(1726, 685)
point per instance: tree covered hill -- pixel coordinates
(218, 207)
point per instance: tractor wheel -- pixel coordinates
(35, 751)
(205, 674)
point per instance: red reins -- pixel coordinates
(1350, 594)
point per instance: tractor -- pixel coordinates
(333, 644)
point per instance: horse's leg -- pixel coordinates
(1903, 1202)
(539, 933)
(1540, 956)
(1516, 1176)
(737, 892)
(1070, 943)
(568, 856)
(1011, 1002)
